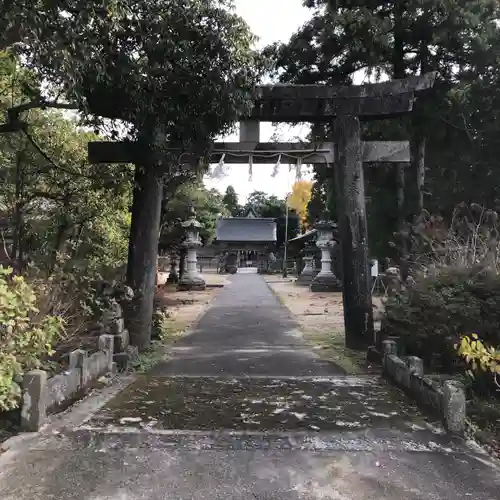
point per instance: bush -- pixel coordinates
(25, 337)
(483, 360)
(434, 312)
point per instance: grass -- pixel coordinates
(168, 331)
(332, 348)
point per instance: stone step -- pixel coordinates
(259, 404)
(426, 440)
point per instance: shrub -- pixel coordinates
(25, 336)
(432, 314)
(482, 359)
(468, 239)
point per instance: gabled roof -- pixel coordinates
(303, 237)
(246, 229)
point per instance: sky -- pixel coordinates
(270, 20)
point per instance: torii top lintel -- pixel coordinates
(322, 103)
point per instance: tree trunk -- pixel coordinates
(143, 253)
(400, 194)
(17, 255)
(358, 313)
(58, 243)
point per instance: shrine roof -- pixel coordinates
(245, 229)
(303, 237)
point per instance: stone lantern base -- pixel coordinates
(305, 278)
(196, 283)
(326, 283)
(307, 275)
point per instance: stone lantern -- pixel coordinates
(325, 280)
(308, 256)
(192, 280)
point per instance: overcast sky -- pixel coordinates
(270, 20)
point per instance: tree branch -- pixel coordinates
(15, 111)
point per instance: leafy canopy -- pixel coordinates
(181, 71)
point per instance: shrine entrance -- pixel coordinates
(343, 107)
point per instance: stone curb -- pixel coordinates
(42, 395)
(446, 397)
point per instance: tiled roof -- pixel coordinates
(246, 229)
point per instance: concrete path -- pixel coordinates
(245, 411)
(246, 331)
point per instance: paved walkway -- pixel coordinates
(246, 331)
(245, 411)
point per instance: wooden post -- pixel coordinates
(143, 252)
(400, 194)
(416, 177)
(358, 314)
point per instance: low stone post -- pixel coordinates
(454, 406)
(306, 276)
(34, 397)
(325, 280)
(79, 359)
(106, 344)
(192, 280)
(389, 348)
(173, 276)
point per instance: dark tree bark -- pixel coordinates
(18, 237)
(358, 314)
(143, 253)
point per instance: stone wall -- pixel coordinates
(42, 395)
(446, 397)
(114, 324)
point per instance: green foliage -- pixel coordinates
(112, 62)
(230, 201)
(148, 358)
(59, 207)
(431, 315)
(459, 39)
(480, 357)
(208, 205)
(25, 337)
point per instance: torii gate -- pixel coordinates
(345, 107)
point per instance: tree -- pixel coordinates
(187, 99)
(55, 202)
(208, 205)
(230, 201)
(458, 39)
(299, 199)
(108, 59)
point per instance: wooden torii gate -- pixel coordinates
(345, 107)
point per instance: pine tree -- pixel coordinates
(230, 201)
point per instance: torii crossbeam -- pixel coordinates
(261, 152)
